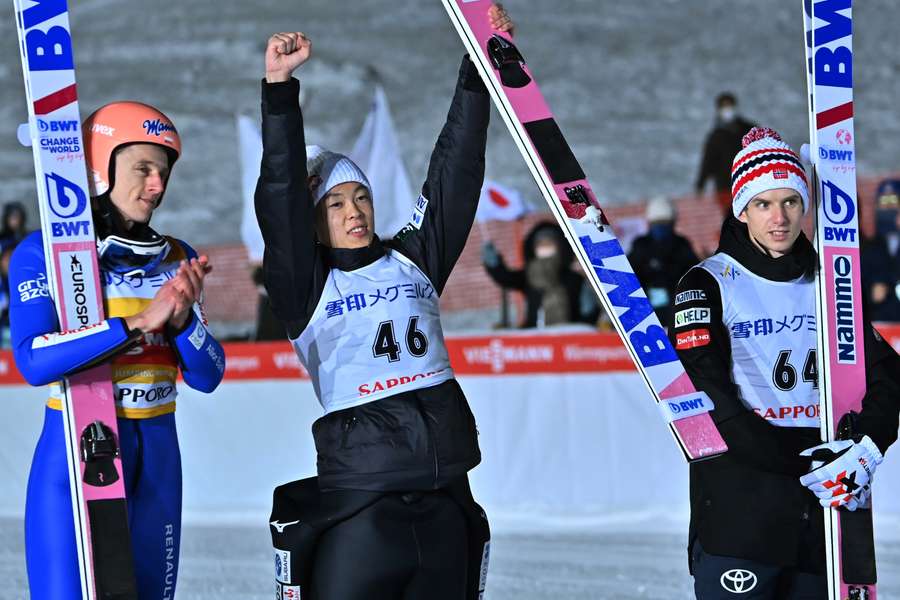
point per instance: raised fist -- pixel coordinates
(285, 52)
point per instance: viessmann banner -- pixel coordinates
(506, 354)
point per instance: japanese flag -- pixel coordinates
(500, 203)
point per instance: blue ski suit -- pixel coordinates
(144, 370)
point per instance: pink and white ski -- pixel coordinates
(89, 412)
(567, 191)
(849, 541)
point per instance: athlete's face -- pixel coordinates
(141, 174)
(345, 217)
(773, 219)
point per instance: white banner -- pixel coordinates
(377, 153)
(250, 142)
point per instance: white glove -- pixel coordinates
(842, 472)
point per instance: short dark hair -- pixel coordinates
(726, 98)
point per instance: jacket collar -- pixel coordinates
(346, 259)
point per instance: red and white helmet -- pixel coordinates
(120, 123)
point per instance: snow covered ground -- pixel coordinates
(610, 563)
(631, 83)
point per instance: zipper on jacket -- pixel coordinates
(348, 425)
(431, 442)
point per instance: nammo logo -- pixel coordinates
(157, 127)
(738, 581)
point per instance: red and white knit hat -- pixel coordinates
(765, 163)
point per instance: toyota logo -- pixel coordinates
(738, 581)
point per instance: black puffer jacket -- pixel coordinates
(749, 502)
(416, 440)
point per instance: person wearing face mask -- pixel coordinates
(554, 293)
(389, 514)
(745, 330)
(154, 329)
(722, 143)
(881, 256)
(661, 257)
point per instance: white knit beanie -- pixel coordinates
(327, 169)
(765, 163)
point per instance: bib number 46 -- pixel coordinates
(386, 341)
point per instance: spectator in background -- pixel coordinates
(661, 257)
(12, 230)
(553, 291)
(722, 144)
(881, 256)
(13, 227)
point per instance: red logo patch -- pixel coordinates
(780, 174)
(692, 339)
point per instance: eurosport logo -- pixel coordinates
(67, 200)
(738, 581)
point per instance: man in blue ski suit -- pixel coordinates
(154, 328)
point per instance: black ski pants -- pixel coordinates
(402, 547)
(727, 578)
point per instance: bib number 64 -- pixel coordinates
(386, 341)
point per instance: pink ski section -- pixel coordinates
(698, 434)
(93, 395)
(848, 381)
(91, 390)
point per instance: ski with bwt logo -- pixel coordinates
(73, 277)
(828, 36)
(566, 189)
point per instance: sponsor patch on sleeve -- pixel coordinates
(33, 289)
(693, 338)
(689, 316)
(689, 296)
(418, 215)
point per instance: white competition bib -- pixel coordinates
(375, 332)
(772, 326)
